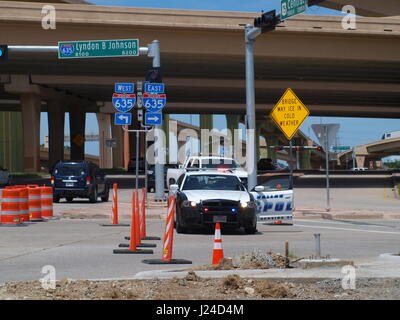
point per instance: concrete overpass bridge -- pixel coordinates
(373, 151)
(335, 72)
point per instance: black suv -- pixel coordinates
(79, 179)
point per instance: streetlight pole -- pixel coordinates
(154, 52)
(250, 34)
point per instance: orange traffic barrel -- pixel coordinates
(9, 214)
(35, 203)
(23, 204)
(46, 201)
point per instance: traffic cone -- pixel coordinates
(218, 252)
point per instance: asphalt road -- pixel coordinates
(82, 249)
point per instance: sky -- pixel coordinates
(352, 132)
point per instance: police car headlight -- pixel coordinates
(187, 203)
(249, 204)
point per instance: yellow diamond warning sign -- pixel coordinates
(289, 113)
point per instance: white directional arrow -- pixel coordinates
(155, 118)
(122, 117)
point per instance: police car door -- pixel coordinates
(275, 203)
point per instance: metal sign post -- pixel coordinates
(328, 202)
(326, 134)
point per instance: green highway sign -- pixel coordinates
(341, 148)
(98, 49)
(290, 8)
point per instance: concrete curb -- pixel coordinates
(381, 269)
(389, 257)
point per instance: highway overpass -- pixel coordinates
(335, 72)
(370, 153)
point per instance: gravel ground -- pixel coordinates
(192, 287)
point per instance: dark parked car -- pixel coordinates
(79, 179)
(132, 165)
(4, 177)
(265, 164)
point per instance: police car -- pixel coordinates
(204, 197)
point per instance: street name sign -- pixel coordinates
(289, 113)
(123, 102)
(290, 8)
(341, 148)
(124, 88)
(98, 48)
(152, 118)
(154, 102)
(123, 119)
(154, 87)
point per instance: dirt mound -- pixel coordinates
(255, 259)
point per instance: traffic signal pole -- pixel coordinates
(154, 52)
(250, 34)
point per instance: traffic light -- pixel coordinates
(3, 52)
(154, 75)
(319, 148)
(267, 21)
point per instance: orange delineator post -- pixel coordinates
(133, 238)
(169, 231)
(132, 242)
(143, 215)
(114, 219)
(137, 219)
(218, 253)
(114, 210)
(168, 239)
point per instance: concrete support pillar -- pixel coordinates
(77, 120)
(56, 122)
(105, 154)
(11, 141)
(118, 151)
(305, 159)
(30, 107)
(206, 122)
(360, 161)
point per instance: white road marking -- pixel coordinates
(346, 229)
(340, 222)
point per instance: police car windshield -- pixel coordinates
(219, 164)
(212, 182)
